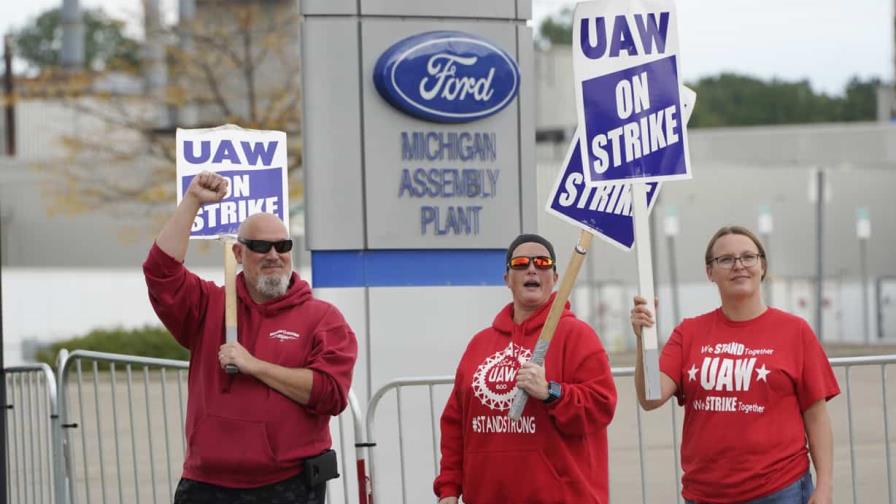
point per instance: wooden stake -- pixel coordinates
(230, 322)
(550, 325)
(650, 350)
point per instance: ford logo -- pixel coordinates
(446, 76)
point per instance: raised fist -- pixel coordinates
(208, 187)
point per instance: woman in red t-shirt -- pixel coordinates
(754, 382)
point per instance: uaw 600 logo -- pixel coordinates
(447, 76)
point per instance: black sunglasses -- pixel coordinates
(264, 246)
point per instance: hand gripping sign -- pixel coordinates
(254, 163)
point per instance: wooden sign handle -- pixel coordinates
(550, 325)
(230, 322)
(650, 351)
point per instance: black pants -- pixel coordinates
(289, 491)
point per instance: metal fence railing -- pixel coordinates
(114, 433)
(32, 431)
(643, 448)
(122, 418)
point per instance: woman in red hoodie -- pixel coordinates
(754, 382)
(556, 452)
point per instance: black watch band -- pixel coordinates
(554, 392)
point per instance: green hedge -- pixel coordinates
(145, 342)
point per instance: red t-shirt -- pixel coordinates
(744, 386)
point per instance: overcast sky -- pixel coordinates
(824, 41)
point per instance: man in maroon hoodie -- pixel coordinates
(556, 453)
(249, 434)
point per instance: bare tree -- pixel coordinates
(237, 62)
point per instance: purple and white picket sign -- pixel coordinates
(603, 209)
(627, 79)
(253, 161)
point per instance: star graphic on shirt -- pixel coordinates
(761, 373)
(692, 373)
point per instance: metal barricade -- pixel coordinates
(120, 430)
(123, 418)
(353, 477)
(32, 428)
(397, 385)
(650, 450)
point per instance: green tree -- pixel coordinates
(147, 341)
(106, 47)
(557, 29)
(737, 100)
(860, 100)
(242, 68)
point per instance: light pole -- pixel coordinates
(765, 227)
(863, 233)
(670, 227)
(818, 194)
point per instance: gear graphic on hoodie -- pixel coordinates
(495, 379)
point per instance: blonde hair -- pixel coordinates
(738, 230)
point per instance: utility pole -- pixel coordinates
(766, 226)
(9, 91)
(819, 250)
(671, 230)
(863, 233)
(3, 407)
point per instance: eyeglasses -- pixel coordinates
(264, 246)
(522, 262)
(728, 261)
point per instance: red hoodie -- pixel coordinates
(240, 432)
(555, 453)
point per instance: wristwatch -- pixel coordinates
(554, 392)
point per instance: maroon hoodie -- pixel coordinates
(555, 453)
(240, 432)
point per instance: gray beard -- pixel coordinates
(272, 286)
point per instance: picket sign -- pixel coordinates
(631, 120)
(254, 162)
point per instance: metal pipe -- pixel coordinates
(852, 451)
(165, 425)
(435, 433)
(676, 452)
(99, 430)
(133, 432)
(883, 393)
(18, 450)
(83, 435)
(112, 387)
(642, 454)
(404, 490)
(29, 426)
(863, 256)
(673, 279)
(152, 465)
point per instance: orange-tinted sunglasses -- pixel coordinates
(522, 262)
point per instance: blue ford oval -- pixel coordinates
(446, 76)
